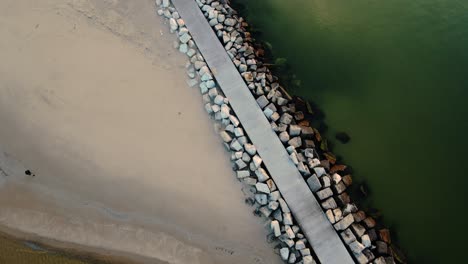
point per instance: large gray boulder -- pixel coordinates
(324, 194)
(284, 206)
(284, 136)
(262, 175)
(348, 236)
(261, 198)
(225, 136)
(295, 142)
(294, 130)
(314, 183)
(344, 223)
(275, 227)
(284, 252)
(262, 188)
(249, 148)
(262, 101)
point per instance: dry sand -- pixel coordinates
(94, 100)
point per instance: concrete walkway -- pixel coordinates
(305, 208)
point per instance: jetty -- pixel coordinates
(307, 211)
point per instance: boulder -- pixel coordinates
(384, 235)
(361, 258)
(225, 111)
(381, 247)
(338, 214)
(365, 241)
(308, 260)
(165, 3)
(320, 171)
(262, 101)
(271, 184)
(344, 223)
(230, 22)
(248, 77)
(369, 222)
(294, 130)
(235, 145)
(225, 136)
(324, 194)
(356, 247)
(240, 164)
(305, 252)
(263, 188)
(286, 119)
(380, 260)
(243, 174)
(289, 232)
(284, 206)
(180, 22)
(309, 153)
(314, 183)
(344, 199)
(284, 137)
(245, 157)
(359, 216)
(268, 112)
(183, 48)
(275, 116)
(219, 100)
(329, 204)
(330, 216)
(295, 142)
(249, 148)
(234, 120)
(273, 205)
(278, 215)
(257, 161)
(262, 175)
(210, 84)
(287, 219)
(238, 132)
(326, 181)
(348, 236)
(274, 196)
(292, 258)
(261, 198)
(347, 180)
(212, 92)
(358, 229)
(185, 38)
(265, 211)
(307, 131)
(293, 158)
(349, 208)
(242, 68)
(302, 168)
(249, 181)
(173, 24)
(313, 163)
(339, 188)
(275, 227)
(284, 252)
(300, 245)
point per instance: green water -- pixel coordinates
(394, 75)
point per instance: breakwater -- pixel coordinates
(366, 240)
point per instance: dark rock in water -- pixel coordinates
(342, 137)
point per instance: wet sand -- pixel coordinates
(94, 101)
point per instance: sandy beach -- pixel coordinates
(94, 101)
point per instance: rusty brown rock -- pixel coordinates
(359, 216)
(369, 222)
(347, 180)
(344, 198)
(385, 235)
(337, 168)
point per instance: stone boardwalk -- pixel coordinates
(302, 203)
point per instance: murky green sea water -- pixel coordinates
(394, 75)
